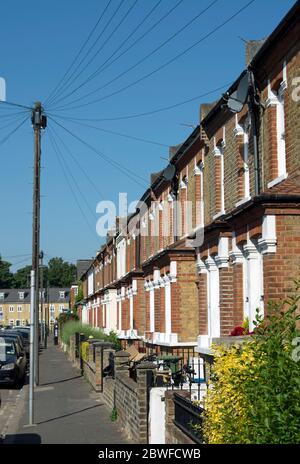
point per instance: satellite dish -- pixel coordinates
(237, 99)
(169, 172)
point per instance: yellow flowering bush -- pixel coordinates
(253, 395)
(85, 347)
(226, 406)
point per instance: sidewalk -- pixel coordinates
(67, 410)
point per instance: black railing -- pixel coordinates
(188, 417)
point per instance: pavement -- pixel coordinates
(66, 409)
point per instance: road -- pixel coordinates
(11, 398)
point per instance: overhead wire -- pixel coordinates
(130, 174)
(90, 180)
(68, 83)
(60, 83)
(147, 113)
(65, 173)
(119, 134)
(139, 62)
(2, 141)
(167, 63)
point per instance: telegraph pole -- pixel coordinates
(42, 297)
(39, 121)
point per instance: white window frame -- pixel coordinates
(62, 295)
(11, 309)
(277, 99)
(21, 295)
(19, 309)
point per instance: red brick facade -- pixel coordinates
(222, 237)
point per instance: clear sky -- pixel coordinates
(39, 41)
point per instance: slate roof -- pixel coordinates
(12, 295)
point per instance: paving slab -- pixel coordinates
(67, 410)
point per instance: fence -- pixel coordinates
(188, 417)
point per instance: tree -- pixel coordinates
(6, 277)
(22, 277)
(61, 273)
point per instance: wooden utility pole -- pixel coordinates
(39, 121)
(42, 298)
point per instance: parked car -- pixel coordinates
(12, 361)
(24, 345)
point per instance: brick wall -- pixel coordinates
(175, 436)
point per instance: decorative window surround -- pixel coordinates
(216, 216)
(238, 130)
(152, 308)
(170, 197)
(173, 271)
(241, 202)
(198, 169)
(235, 254)
(222, 258)
(277, 99)
(213, 300)
(277, 180)
(253, 281)
(201, 268)
(134, 287)
(272, 99)
(183, 184)
(156, 279)
(216, 151)
(267, 244)
(122, 293)
(284, 84)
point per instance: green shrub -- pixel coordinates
(254, 390)
(71, 327)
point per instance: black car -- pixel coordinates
(12, 361)
(17, 336)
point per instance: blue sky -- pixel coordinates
(38, 43)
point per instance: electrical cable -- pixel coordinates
(57, 153)
(142, 60)
(130, 174)
(12, 132)
(90, 180)
(58, 86)
(148, 113)
(176, 57)
(119, 134)
(67, 83)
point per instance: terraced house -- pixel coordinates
(217, 234)
(15, 305)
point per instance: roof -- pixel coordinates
(263, 47)
(82, 266)
(12, 295)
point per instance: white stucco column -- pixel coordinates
(168, 313)
(213, 297)
(152, 307)
(254, 281)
